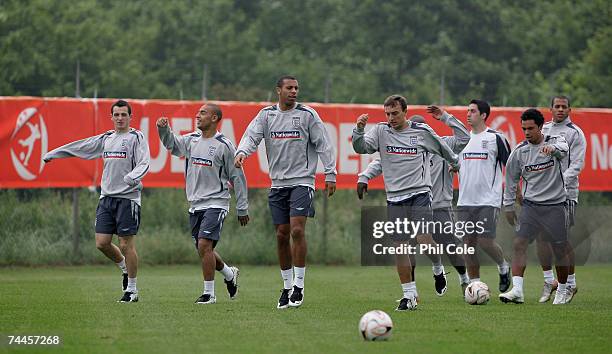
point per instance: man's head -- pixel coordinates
(532, 121)
(478, 112)
(396, 109)
(287, 90)
(560, 108)
(208, 116)
(121, 114)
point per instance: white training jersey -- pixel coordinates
(480, 173)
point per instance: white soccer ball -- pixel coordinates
(477, 293)
(375, 325)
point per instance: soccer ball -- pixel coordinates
(375, 325)
(477, 293)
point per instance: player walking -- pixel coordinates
(572, 165)
(209, 166)
(295, 136)
(404, 148)
(538, 161)
(126, 161)
(442, 194)
(480, 190)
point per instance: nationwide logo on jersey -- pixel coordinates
(296, 122)
(290, 134)
(201, 162)
(475, 155)
(115, 155)
(540, 166)
(211, 150)
(400, 150)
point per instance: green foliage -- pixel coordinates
(510, 53)
(37, 229)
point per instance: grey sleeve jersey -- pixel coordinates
(126, 160)
(209, 166)
(373, 170)
(573, 163)
(404, 155)
(542, 175)
(441, 177)
(295, 140)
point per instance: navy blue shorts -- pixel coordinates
(443, 230)
(549, 221)
(207, 224)
(117, 216)
(290, 201)
(483, 217)
(414, 209)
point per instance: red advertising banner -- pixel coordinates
(30, 126)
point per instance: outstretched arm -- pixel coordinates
(250, 140)
(89, 149)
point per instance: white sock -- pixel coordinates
(517, 284)
(571, 280)
(209, 287)
(438, 268)
(561, 288)
(463, 278)
(549, 276)
(227, 272)
(503, 267)
(287, 275)
(413, 286)
(299, 276)
(122, 265)
(132, 285)
(473, 280)
(409, 289)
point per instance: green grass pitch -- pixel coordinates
(78, 303)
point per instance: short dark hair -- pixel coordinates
(534, 115)
(483, 107)
(417, 118)
(122, 103)
(393, 100)
(281, 80)
(216, 110)
(561, 97)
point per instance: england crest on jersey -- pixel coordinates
(413, 141)
(296, 122)
(124, 144)
(211, 150)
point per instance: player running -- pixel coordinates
(295, 138)
(572, 165)
(126, 161)
(480, 190)
(538, 161)
(209, 166)
(404, 147)
(442, 194)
